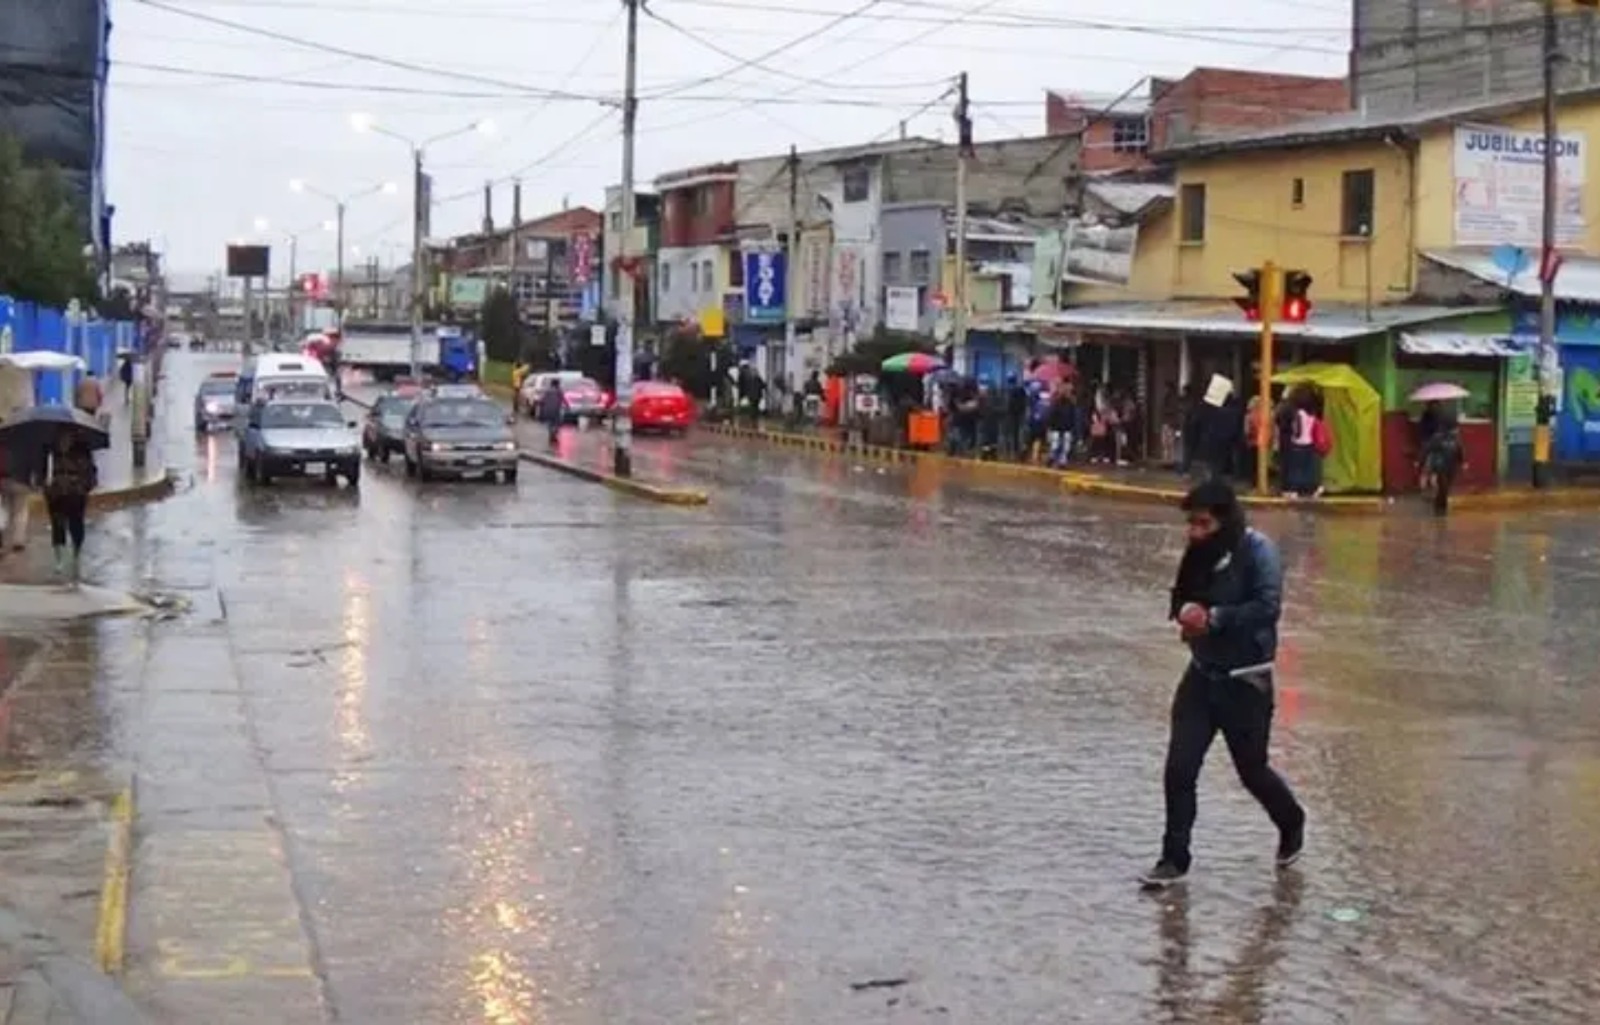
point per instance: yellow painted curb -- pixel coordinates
(1079, 483)
(623, 485)
(153, 490)
(111, 930)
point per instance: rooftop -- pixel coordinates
(1356, 126)
(1578, 279)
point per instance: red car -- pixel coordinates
(658, 406)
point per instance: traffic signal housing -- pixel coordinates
(1296, 296)
(1250, 302)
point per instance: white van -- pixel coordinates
(283, 374)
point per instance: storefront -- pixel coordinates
(1496, 417)
(1575, 379)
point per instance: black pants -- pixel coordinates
(1443, 482)
(1242, 711)
(66, 519)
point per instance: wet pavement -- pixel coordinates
(453, 753)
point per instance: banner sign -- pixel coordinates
(1499, 187)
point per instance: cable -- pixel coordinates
(791, 44)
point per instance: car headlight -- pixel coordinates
(507, 446)
(213, 407)
(435, 446)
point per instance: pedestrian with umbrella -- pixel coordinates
(66, 471)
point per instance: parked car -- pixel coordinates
(459, 437)
(215, 402)
(299, 436)
(533, 386)
(659, 406)
(384, 432)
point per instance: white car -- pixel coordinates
(534, 385)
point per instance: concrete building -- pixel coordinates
(551, 263)
(1408, 55)
(646, 238)
(1119, 132)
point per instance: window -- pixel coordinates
(694, 276)
(891, 268)
(616, 221)
(1297, 193)
(666, 277)
(921, 267)
(702, 201)
(1355, 216)
(708, 280)
(857, 184)
(736, 270)
(1130, 135)
(1192, 207)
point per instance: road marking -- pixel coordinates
(111, 929)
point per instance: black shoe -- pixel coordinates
(1165, 874)
(1291, 844)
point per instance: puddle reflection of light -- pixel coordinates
(505, 992)
(211, 458)
(356, 630)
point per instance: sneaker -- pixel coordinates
(1165, 874)
(1291, 844)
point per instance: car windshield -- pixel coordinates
(214, 388)
(392, 409)
(302, 414)
(462, 413)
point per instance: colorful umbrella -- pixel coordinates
(912, 363)
(1439, 391)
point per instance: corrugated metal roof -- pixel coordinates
(1578, 280)
(1328, 323)
(1130, 198)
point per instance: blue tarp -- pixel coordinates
(25, 327)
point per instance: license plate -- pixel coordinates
(315, 467)
(474, 462)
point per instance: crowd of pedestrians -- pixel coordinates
(1045, 416)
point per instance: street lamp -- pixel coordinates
(365, 124)
(300, 185)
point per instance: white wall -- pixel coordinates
(677, 294)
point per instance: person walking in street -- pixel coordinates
(69, 475)
(19, 468)
(125, 374)
(1442, 460)
(1227, 600)
(552, 409)
(1062, 421)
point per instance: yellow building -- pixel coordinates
(1421, 235)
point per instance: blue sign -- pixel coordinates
(764, 286)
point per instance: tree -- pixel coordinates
(502, 325)
(41, 245)
(868, 354)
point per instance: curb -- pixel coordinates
(152, 490)
(111, 929)
(638, 489)
(1089, 484)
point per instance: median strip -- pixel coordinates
(626, 485)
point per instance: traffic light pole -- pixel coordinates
(622, 418)
(1271, 303)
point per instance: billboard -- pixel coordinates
(249, 261)
(765, 287)
(1098, 254)
(1499, 187)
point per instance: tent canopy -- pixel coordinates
(1354, 413)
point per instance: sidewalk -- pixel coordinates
(42, 985)
(1155, 485)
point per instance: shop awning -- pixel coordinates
(1454, 343)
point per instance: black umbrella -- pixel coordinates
(38, 427)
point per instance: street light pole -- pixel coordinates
(338, 269)
(622, 418)
(418, 284)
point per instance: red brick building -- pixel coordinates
(1119, 133)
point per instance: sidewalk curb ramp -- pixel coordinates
(1092, 484)
(55, 988)
(627, 486)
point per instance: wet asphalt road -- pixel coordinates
(546, 754)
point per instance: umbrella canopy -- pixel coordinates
(38, 427)
(43, 361)
(1439, 391)
(912, 363)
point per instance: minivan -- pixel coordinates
(282, 374)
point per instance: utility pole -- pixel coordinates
(338, 270)
(958, 344)
(293, 303)
(791, 249)
(516, 254)
(1271, 302)
(622, 420)
(1544, 411)
(419, 282)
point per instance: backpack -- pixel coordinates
(1321, 437)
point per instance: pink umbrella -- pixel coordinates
(1052, 370)
(1439, 391)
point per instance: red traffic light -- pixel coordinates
(1250, 302)
(312, 285)
(1296, 296)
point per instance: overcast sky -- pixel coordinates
(206, 129)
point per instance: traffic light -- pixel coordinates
(1296, 296)
(1250, 302)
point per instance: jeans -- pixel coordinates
(1060, 447)
(1241, 709)
(66, 519)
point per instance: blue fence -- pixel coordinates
(25, 327)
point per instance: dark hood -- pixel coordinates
(1200, 559)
